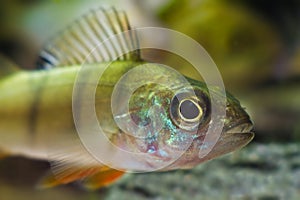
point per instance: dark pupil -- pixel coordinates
(188, 109)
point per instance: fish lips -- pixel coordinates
(236, 136)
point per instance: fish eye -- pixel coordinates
(189, 110)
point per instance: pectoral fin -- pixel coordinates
(52, 180)
(102, 179)
(93, 178)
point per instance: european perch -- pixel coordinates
(36, 118)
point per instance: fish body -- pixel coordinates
(43, 112)
(40, 106)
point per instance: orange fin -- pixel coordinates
(103, 178)
(51, 180)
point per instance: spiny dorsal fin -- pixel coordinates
(7, 67)
(74, 45)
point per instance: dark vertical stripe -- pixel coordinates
(37, 87)
(78, 93)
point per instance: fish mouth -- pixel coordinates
(243, 125)
(237, 135)
(234, 137)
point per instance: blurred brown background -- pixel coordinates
(254, 43)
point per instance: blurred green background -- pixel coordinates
(255, 44)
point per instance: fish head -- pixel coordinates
(171, 126)
(236, 128)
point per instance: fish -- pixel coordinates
(47, 113)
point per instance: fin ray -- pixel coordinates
(52, 180)
(102, 178)
(92, 178)
(69, 160)
(81, 39)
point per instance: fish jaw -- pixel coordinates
(166, 158)
(228, 142)
(231, 140)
